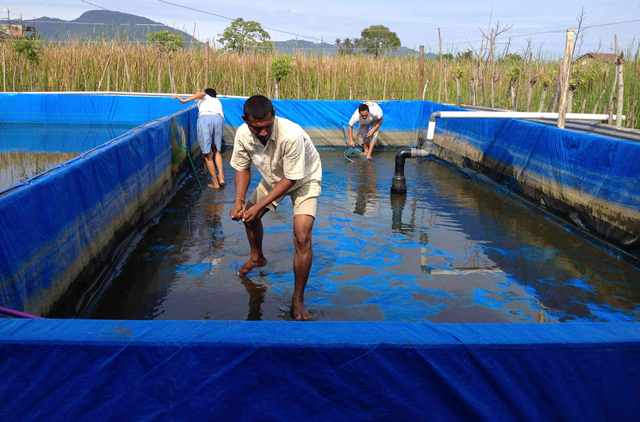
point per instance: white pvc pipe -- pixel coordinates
(431, 129)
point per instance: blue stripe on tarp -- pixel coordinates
(327, 114)
(56, 138)
(74, 369)
(84, 108)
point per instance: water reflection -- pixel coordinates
(27, 150)
(256, 292)
(365, 189)
(16, 167)
(452, 250)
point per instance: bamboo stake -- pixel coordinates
(421, 69)
(620, 77)
(565, 71)
(615, 82)
(4, 72)
(440, 66)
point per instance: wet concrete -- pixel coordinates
(452, 250)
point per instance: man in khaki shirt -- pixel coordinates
(290, 165)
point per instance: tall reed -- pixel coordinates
(528, 84)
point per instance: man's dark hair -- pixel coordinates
(258, 107)
(363, 107)
(211, 92)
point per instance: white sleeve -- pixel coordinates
(293, 164)
(376, 110)
(354, 118)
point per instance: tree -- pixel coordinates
(167, 41)
(241, 36)
(347, 46)
(29, 48)
(378, 39)
(465, 55)
(281, 67)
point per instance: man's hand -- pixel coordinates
(371, 132)
(237, 210)
(250, 214)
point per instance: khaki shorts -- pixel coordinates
(304, 198)
(362, 134)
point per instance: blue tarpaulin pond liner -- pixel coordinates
(69, 223)
(55, 226)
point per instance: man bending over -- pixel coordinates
(369, 116)
(289, 165)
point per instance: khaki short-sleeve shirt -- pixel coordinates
(289, 153)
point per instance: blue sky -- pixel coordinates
(414, 21)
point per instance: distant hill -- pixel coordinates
(108, 25)
(308, 47)
(101, 25)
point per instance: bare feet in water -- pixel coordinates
(213, 186)
(298, 311)
(251, 264)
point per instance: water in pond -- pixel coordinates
(454, 250)
(30, 149)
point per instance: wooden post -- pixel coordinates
(4, 72)
(620, 78)
(421, 70)
(565, 71)
(440, 65)
(206, 69)
(615, 83)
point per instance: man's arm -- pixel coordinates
(375, 128)
(276, 193)
(242, 179)
(196, 96)
(352, 121)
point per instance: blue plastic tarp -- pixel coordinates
(64, 223)
(588, 178)
(348, 371)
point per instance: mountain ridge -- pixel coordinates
(110, 25)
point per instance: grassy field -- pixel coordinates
(524, 85)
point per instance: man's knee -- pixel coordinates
(302, 239)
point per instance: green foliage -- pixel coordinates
(167, 41)
(347, 46)
(29, 48)
(514, 74)
(378, 39)
(458, 72)
(281, 67)
(512, 58)
(547, 79)
(447, 56)
(242, 36)
(465, 55)
(585, 75)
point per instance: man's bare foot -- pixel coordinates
(369, 158)
(213, 186)
(251, 264)
(298, 312)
